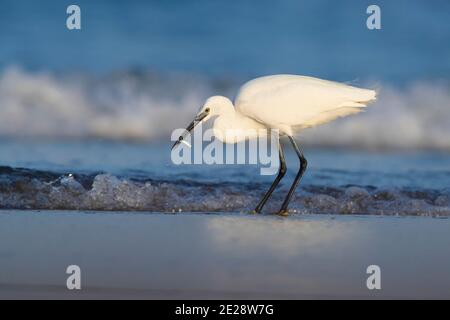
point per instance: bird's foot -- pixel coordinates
(283, 213)
(253, 212)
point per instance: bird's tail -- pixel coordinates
(360, 98)
(356, 100)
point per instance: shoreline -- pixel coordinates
(221, 256)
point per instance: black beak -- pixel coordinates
(190, 127)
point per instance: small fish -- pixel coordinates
(181, 140)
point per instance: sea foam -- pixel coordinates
(33, 189)
(147, 106)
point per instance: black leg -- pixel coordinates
(303, 164)
(281, 173)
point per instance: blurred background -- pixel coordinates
(101, 102)
(138, 69)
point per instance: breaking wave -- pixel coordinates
(142, 105)
(33, 189)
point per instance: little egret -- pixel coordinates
(288, 103)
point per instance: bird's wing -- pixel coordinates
(298, 101)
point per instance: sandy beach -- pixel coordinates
(215, 256)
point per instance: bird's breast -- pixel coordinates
(238, 129)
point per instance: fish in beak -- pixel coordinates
(189, 129)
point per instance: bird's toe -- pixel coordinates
(283, 213)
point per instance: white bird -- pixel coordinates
(288, 103)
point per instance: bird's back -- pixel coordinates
(292, 102)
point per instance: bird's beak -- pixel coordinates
(190, 127)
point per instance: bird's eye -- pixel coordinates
(207, 110)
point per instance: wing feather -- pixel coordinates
(282, 101)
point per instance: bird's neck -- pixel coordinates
(234, 127)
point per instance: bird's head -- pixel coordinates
(213, 107)
(216, 106)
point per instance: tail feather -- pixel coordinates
(353, 106)
(363, 95)
(331, 115)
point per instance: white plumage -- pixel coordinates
(291, 103)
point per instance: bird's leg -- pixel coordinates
(281, 173)
(303, 164)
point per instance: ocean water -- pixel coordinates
(140, 177)
(234, 39)
(136, 71)
(86, 116)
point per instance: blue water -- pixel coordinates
(235, 39)
(327, 167)
(100, 175)
(137, 70)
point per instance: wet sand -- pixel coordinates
(231, 256)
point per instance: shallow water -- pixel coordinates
(140, 177)
(123, 255)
